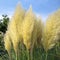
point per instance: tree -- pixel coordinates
(3, 23)
(3, 27)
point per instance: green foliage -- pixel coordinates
(3, 23)
(3, 27)
(3, 52)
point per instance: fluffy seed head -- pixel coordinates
(7, 42)
(14, 27)
(27, 28)
(50, 31)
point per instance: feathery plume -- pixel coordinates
(27, 28)
(15, 26)
(50, 30)
(7, 42)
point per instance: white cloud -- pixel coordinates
(43, 16)
(0, 16)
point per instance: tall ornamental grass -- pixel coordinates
(27, 38)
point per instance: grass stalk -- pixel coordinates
(46, 56)
(17, 55)
(10, 56)
(28, 54)
(31, 53)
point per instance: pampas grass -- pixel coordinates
(7, 43)
(25, 30)
(13, 28)
(50, 30)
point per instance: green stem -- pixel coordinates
(28, 54)
(22, 50)
(31, 53)
(17, 55)
(46, 56)
(57, 45)
(10, 57)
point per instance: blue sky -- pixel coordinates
(40, 7)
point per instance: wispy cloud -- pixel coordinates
(43, 16)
